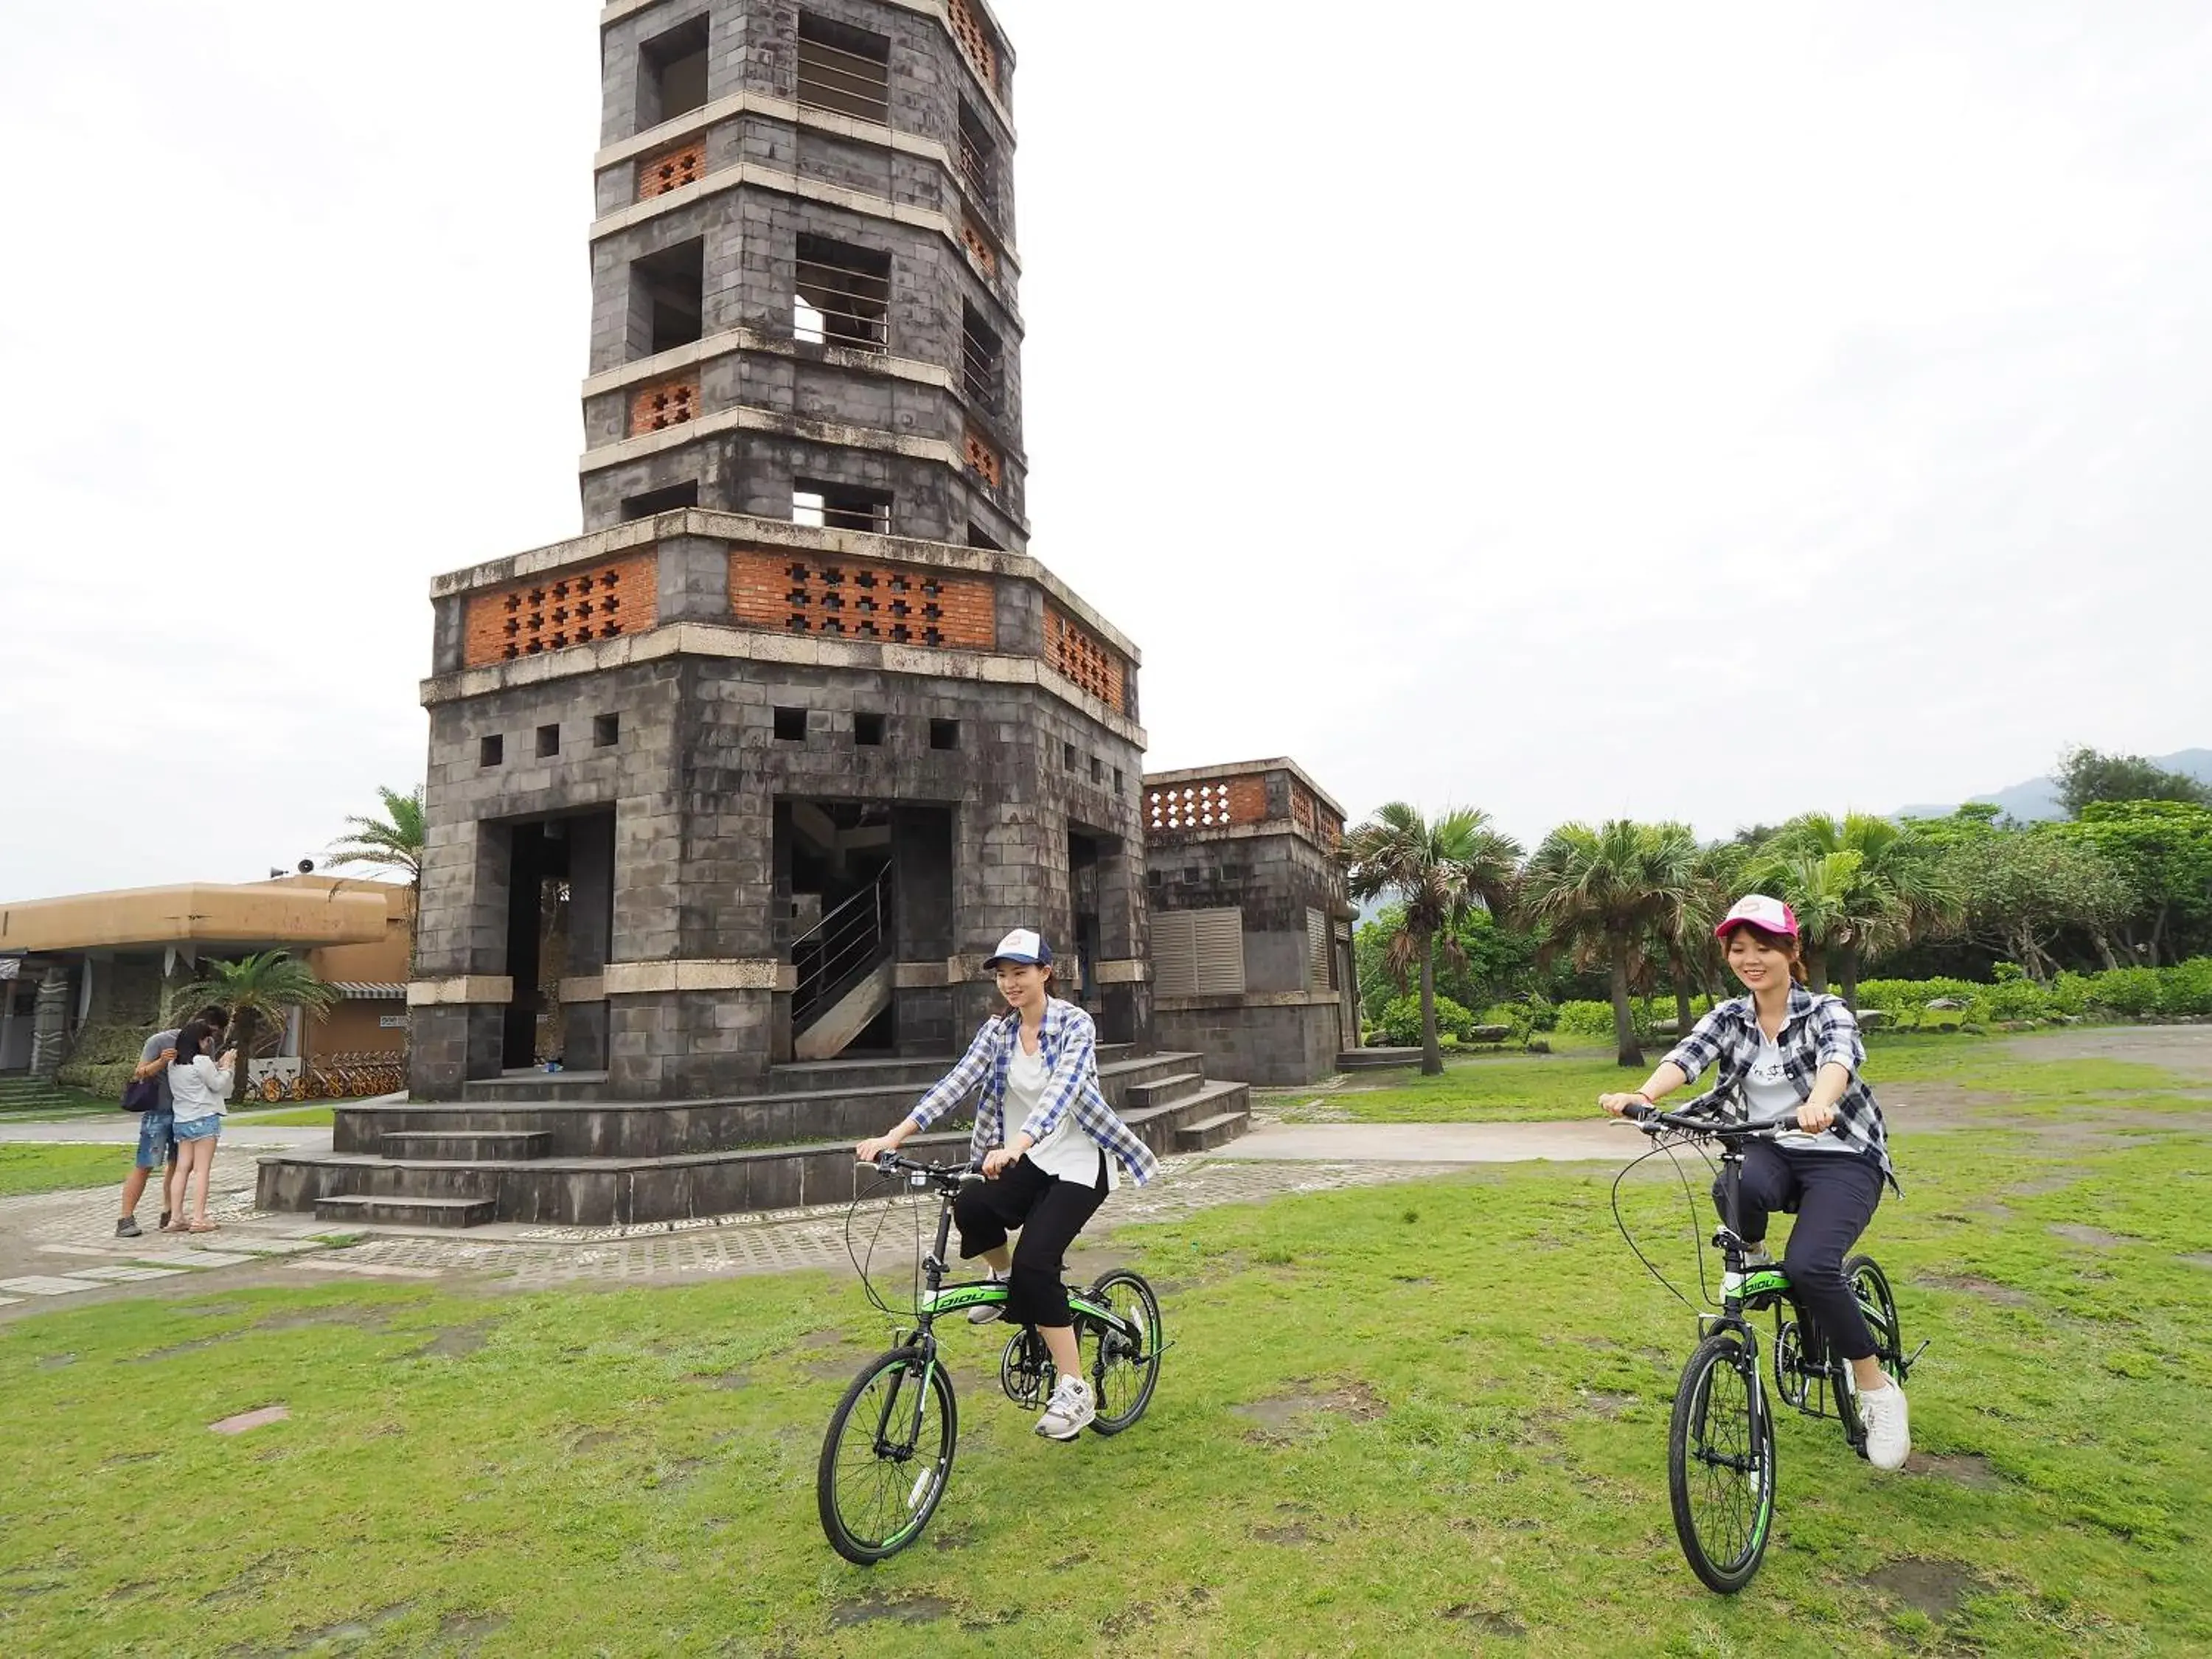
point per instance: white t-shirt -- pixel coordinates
(1770, 1098)
(1066, 1153)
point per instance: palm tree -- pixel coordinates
(1687, 928)
(1869, 885)
(266, 987)
(1442, 872)
(1605, 893)
(393, 841)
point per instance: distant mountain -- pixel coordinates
(2038, 799)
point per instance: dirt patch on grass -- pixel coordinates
(597, 1440)
(2043, 1184)
(729, 1382)
(1279, 1415)
(469, 1629)
(832, 1370)
(1605, 1402)
(875, 1609)
(1295, 1533)
(455, 1342)
(1937, 1588)
(1968, 1469)
(2198, 1259)
(2095, 1238)
(1987, 1289)
(1490, 1621)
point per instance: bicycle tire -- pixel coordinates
(1723, 1528)
(1871, 1286)
(1124, 1370)
(866, 1532)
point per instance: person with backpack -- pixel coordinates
(1051, 1149)
(157, 1122)
(200, 1086)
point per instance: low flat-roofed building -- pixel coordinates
(1252, 961)
(89, 959)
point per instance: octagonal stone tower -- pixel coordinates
(761, 766)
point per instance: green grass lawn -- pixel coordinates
(300, 1117)
(1409, 1420)
(26, 1169)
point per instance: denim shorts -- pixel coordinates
(157, 1138)
(200, 1128)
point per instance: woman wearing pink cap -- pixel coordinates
(1791, 1057)
(1047, 1173)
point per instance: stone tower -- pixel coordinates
(762, 764)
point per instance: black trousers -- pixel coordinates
(1834, 1195)
(1049, 1213)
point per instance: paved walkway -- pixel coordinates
(1595, 1140)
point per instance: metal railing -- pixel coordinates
(848, 82)
(845, 304)
(978, 174)
(983, 372)
(841, 950)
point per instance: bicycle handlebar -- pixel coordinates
(1695, 1119)
(947, 1176)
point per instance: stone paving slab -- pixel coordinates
(9, 1301)
(368, 1269)
(38, 1284)
(128, 1273)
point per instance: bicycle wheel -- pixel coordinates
(886, 1456)
(1720, 1462)
(1124, 1368)
(1871, 1286)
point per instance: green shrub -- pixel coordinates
(1401, 1021)
(2133, 991)
(1585, 1019)
(2071, 993)
(101, 1059)
(2013, 999)
(2187, 987)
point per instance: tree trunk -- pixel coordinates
(241, 1037)
(1433, 1052)
(1816, 970)
(1682, 1020)
(2104, 950)
(1849, 961)
(1624, 1022)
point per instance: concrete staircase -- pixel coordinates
(536, 1148)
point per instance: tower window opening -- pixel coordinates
(668, 299)
(672, 74)
(842, 295)
(868, 730)
(549, 742)
(979, 158)
(979, 537)
(844, 70)
(655, 501)
(838, 507)
(945, 734)
(982, 361)
(791, 726)
(490, 751)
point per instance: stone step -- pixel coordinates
(1208, 1132)
(535, 1085)
(469, 1146)
(1167, 1090)
(648, 1129)
(1376, 1060)
(1155, 1126)
(402, 1211)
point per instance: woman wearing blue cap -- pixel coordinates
(1038, 1064)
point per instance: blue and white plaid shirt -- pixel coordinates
(1817, 1032)
(1068, 1042)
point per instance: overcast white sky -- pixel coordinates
(1490, 403)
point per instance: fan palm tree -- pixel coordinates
(1869, 885)
(1606, 893)
(1442, 872)
(263, 988)
(393, 841)
(1687, 928)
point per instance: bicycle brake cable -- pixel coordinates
(1649, 1267)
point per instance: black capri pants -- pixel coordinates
(1049, 1213)
(1834, 1195)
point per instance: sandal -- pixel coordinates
(204, 1227)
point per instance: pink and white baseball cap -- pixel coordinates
(1757, 910)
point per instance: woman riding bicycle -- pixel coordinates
(1038, 1064)
(1792, 1056)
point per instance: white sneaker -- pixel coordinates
(1889, 1437)
(991, 1312)
(1070, 1409)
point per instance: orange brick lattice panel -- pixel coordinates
(975, 40)
(984, 462)
(979, 248)
(862, 599)
(672, 171)
(552, 613)
(657, 408)
(1095, 667)
(1181, 808)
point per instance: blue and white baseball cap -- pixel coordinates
(1024, 946)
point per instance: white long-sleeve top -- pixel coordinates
(201, 1089)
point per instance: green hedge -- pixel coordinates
(102, 1060)
(2184, 988)
(1401, 1026)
